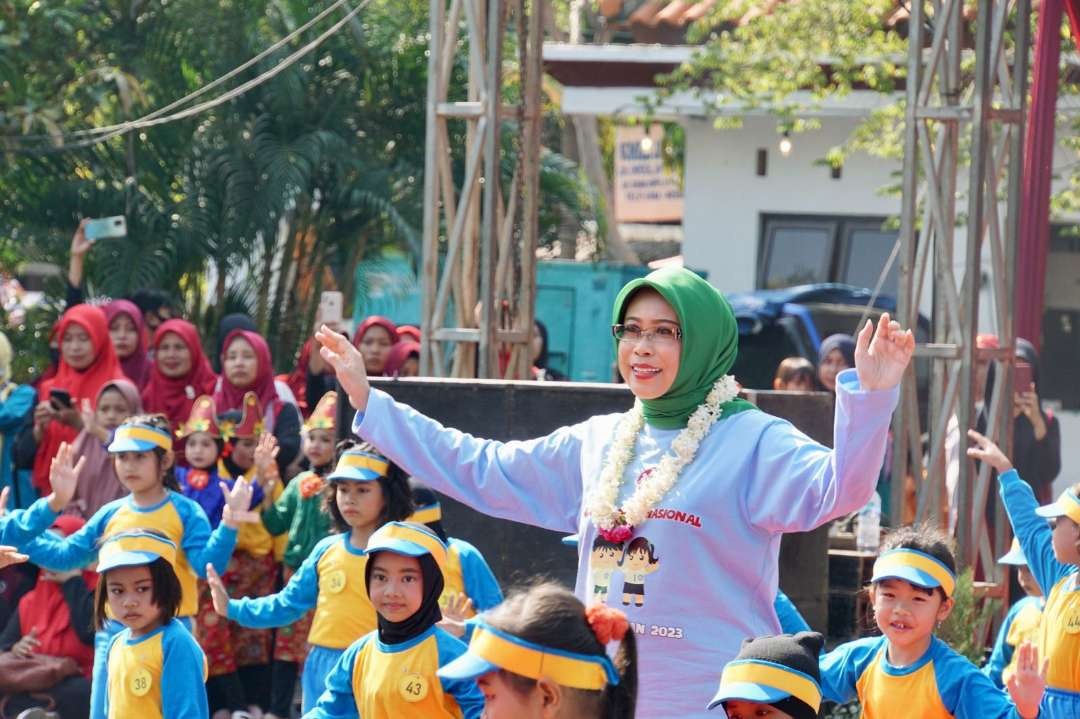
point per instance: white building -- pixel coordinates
(754, 218)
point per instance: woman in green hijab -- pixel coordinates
(679, 503)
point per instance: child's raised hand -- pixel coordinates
(458, 609)
(266, 452)
(64, 476)
(988, 452)
(237, 502)
(218, 595)
(1027, 684)
(348, 365)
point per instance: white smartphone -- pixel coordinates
(105, 228)
(330, 307)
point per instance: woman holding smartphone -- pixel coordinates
(87, 362)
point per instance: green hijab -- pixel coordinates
(710, 343)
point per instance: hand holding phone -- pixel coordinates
(105, 228)
(330, 307)
(1022, 378)
(60, 399)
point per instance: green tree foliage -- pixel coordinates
(256, 204)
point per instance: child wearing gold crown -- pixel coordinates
(201, 481)
(298, 513)
(250, 452)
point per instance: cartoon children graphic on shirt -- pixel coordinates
(637, 561)
(603, 561)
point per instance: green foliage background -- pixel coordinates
(253, 206)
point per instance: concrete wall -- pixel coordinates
(725, 199)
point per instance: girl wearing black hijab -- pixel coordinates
(391, 672)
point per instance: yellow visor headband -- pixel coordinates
(1067, 505)
(915, 567)
(364, 461)
(411, 541)
(427, 514)
(774, 679)
(140, 438)
(578, 671)
(134, 547)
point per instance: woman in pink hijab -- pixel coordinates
(128, 336)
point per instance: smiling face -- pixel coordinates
(375, 346)
(319, 446)
(124, 335)
(112, 409)
(241, 365)
(131, 598)
(201, 450)
(76, 349)
(649, 365)
(361, 503)
(738, 709)
(906, 614)
(173, 357)
(397, 586)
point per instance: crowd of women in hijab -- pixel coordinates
(191, 535)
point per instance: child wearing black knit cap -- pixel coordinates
(776, 677)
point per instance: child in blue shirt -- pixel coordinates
(364, 491)
(142, 451)
(391, 672)
(155, 668)
(911, 591)
(1053, 553)
(1021, 623)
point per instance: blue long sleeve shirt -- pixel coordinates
(177, 517)
(331, 580)
(701, 574)
(160, 675)
(375, 680)
(940, 685)
(1021, 623)
(1058, 640)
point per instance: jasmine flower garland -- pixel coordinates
(617, 523)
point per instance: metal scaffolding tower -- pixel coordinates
(956, 108)
(479, 247)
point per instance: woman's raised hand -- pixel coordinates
(348, 365)
(218, 595)
(64, 477)
(881, 356)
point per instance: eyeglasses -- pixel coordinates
(634, 334)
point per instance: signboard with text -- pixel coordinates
(644, 190)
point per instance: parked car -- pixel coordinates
(792, 322)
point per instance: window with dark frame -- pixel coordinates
(805, 249)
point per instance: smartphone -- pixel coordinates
(105, 228)
(330, 307)
(1022, 378)
(59, 398)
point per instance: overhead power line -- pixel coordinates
(159, 118)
